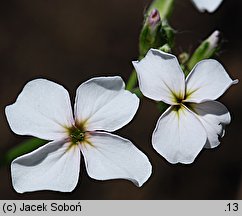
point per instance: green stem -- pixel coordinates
(131, 84)
(137, 92)
(199, 54)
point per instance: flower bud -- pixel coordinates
(207, 49)
(154, 33)
(164, 7)
(165, 48)
(183, 58)
(154, 18)
(150, 33)
(214, 40)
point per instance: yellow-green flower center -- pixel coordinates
(178, 98)
(77, 134)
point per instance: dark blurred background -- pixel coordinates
(72, 41)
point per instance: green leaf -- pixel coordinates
(162, 107)
(22, 148)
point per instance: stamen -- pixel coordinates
(77, 135)
(178, 98)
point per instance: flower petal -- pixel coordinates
(160, 77)
(42, 109)
(104, 104)
(54, 166)
(179, 136)
(113, 157)
(214, 116)
(207, 5)
(207, 81)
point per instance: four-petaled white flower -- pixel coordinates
(207, 5)
(193, 120)
(43, 109)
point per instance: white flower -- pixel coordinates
(207, 5)
(43, 109)
(193, 120)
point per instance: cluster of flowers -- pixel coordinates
(102, 105)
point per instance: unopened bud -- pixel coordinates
(154, 18)
(165, 8)
(207, 49)
(165, 48)
(150, 36)
(155, 33)
(214, 39)
(183, 58)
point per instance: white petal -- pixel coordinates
(113, 157)
(214, 116)
(160, 76)
(104, 104)
(207, 5)
(42, 109)
(179, 136)
(207, 81)
(54, 166)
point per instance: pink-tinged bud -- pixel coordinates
(154, 18)
(155, 33)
